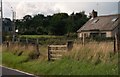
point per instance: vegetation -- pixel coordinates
(44, 39)
(57, 24)
(82, 60)
(40, 36)
(0, 58)
(93, 58)
(61, 67)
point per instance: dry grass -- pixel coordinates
(20, 49)
(75, 62)
(92, 51)
(14, 48)
(0, 54)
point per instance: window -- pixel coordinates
(114, 19)
(95, 21)
(10, 29)
(84, 34)
(103, 35)
(94, 35)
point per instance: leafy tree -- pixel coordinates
(57, 24)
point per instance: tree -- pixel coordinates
(27, 17)
(76, 21)
(57, 24)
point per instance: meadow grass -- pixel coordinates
(91, 59)
(0, 54)
(44, 39)
(40, 36)
(61, 67)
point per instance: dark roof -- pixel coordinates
(102, 23)
(7, 22)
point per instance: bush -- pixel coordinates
(33, 55)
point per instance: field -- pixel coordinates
(40, 36)
(94, 58)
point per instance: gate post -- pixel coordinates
(37, 48)
(114, 45)
(70, 45)
(49, 53)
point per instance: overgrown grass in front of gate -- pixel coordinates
(91, 59)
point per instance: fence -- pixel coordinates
(24, 42)
(56, 51)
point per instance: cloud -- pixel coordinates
(23, 8)
(62, 0)
(31, 8)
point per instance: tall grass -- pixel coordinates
(0, 54)
(94, 58)
(61, 67)
(29, 50)
(92, 51)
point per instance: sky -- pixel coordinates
(50, 7)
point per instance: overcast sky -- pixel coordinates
(49, 7)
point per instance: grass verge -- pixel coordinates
(64, 66)
(91, 59)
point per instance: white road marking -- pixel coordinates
(18, 71)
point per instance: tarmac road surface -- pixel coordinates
(9, 72)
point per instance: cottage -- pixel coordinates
(100, 26)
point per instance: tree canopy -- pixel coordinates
(57, 24)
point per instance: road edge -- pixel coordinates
(19, 71)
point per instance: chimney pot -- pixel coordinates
(94, 14)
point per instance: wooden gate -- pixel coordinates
(56, 51)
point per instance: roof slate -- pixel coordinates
(104, 23)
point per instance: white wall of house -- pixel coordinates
(86, 34)
(108, 34)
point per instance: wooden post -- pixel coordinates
(37, 53)
(7, 44)
(18, 40)
(118, 38)
(115, 43)
(49, 53)
(69, 45)
(37, 41)
(37, 47)
(13, 38)
(118, 43)
(83, 39)
(26, 43)
(118, 35)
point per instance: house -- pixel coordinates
(100, 26)
(7, 27)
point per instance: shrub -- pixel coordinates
(33, 55)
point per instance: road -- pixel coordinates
(6, 72)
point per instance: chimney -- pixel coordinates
(94, 14)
